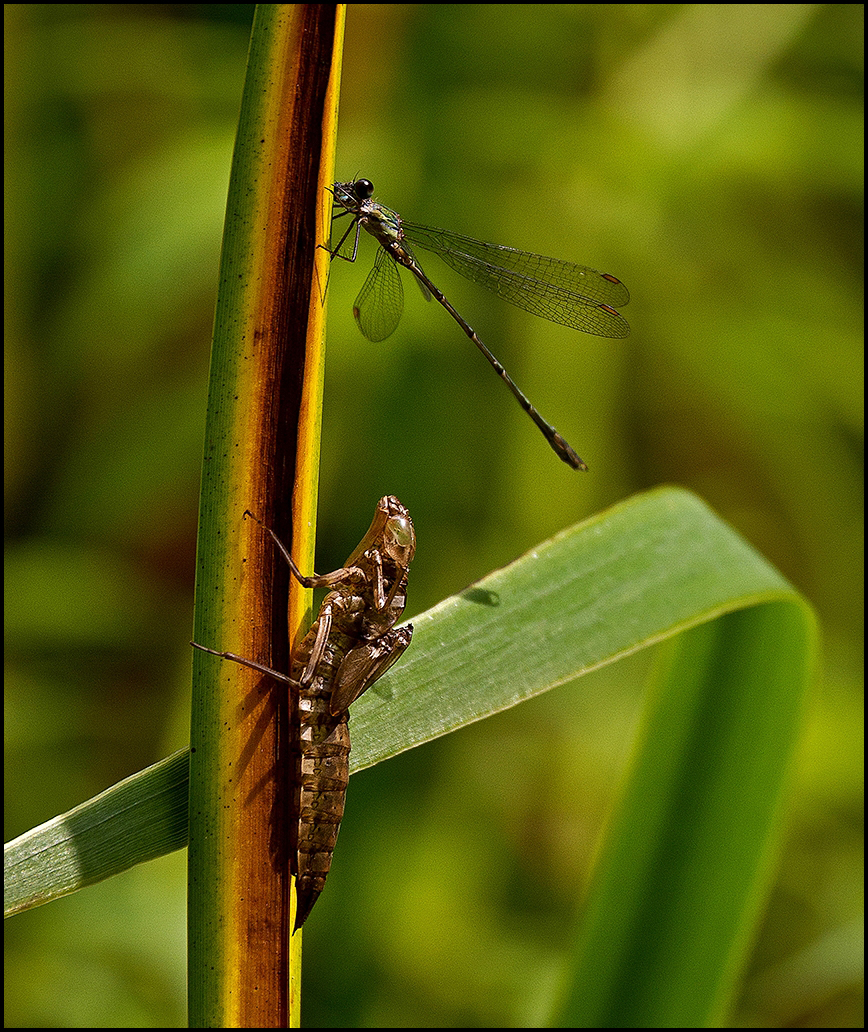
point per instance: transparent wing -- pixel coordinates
(562, 292)
(380, 302)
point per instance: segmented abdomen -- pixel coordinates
(323, 772)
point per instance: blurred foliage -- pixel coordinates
(708, 155)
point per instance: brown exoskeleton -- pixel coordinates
(351, 644)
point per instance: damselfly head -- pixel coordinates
(350, 195)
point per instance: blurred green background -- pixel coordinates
(711, 156)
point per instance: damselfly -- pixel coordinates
(350, 645)
(559, 291)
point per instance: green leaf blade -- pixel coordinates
(637, 573)
(140, 818)
(687, 860)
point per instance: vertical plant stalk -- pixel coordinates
(262, 454)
